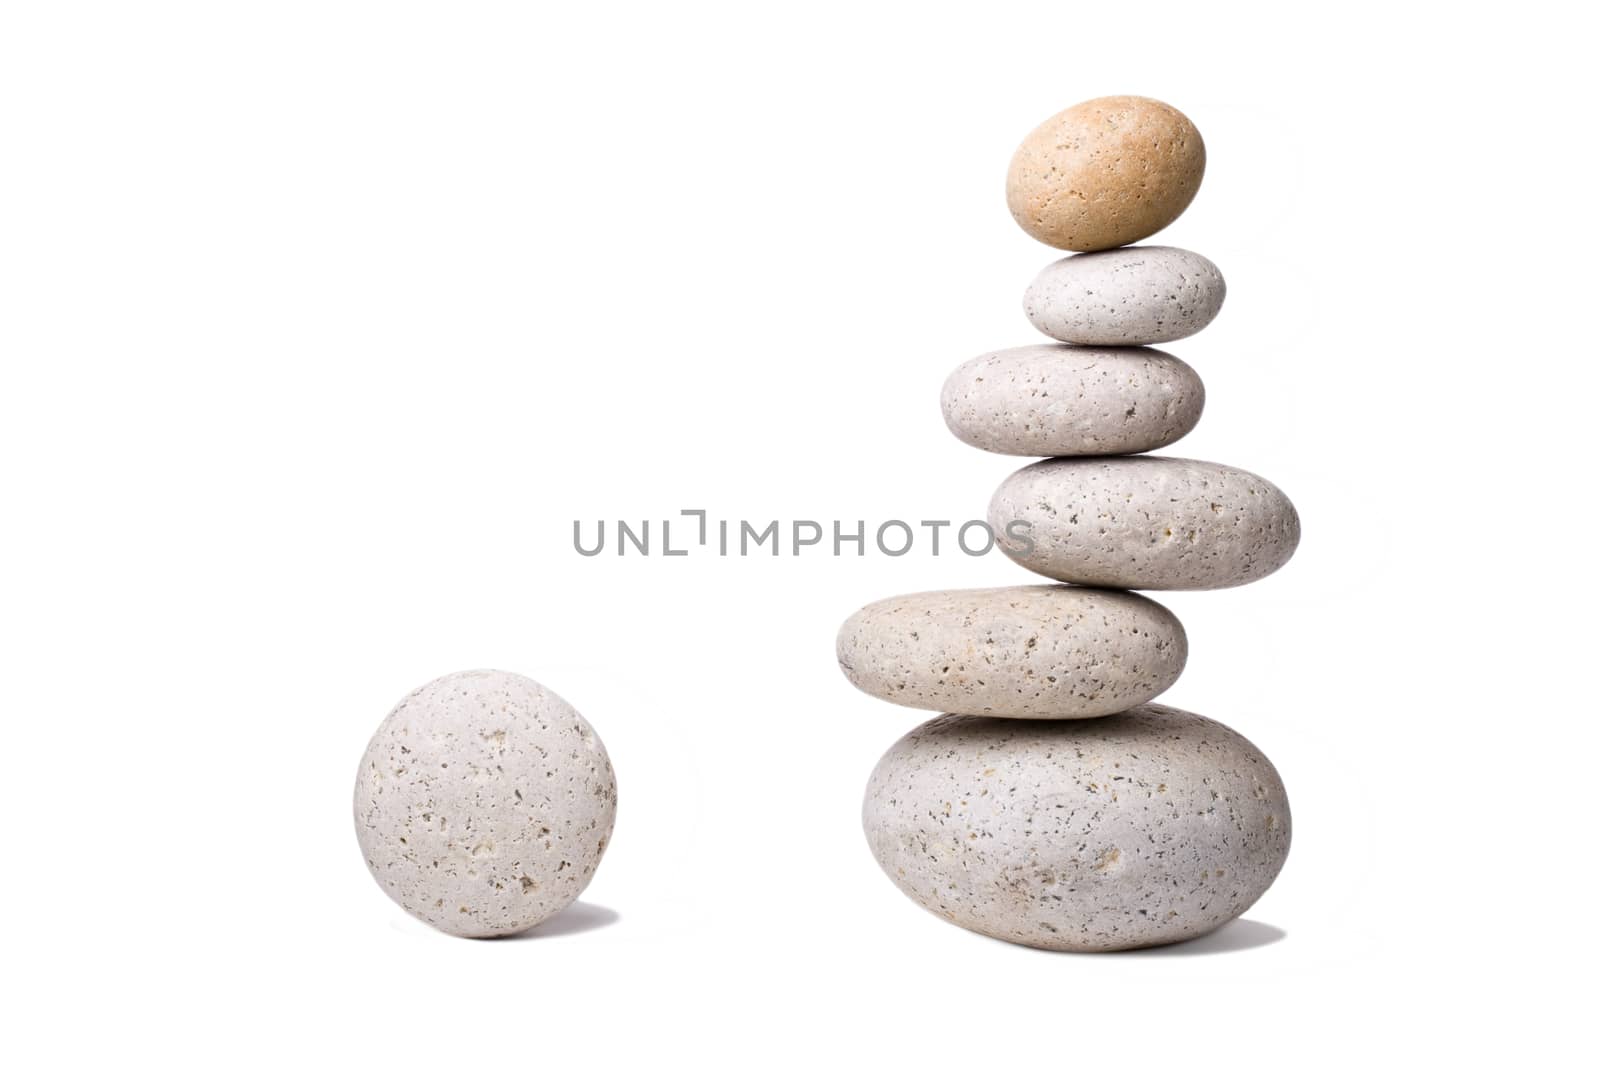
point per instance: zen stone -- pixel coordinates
(1063, 400)
(1105, 172)
(1023, 652)
(1144, 295)
(1138, 829)
(484, 803)
(1144, 522)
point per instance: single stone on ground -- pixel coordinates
(484, 803)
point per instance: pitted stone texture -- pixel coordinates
(1105, 172)
(1138, 829)
(484, 803)
(1144, 522)
(1023, 652)
(1144, 295)
(1064, 400)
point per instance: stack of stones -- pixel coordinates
(1050, 803)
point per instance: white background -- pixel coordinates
(321, 322)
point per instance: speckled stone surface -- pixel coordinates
(1138, 829)
(1145, 522)
(1106, 172)
(484, 803)
(1064, 400)
(1025, 652)
(1144, 295)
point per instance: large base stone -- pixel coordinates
(1138, 829)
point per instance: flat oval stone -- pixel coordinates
(1144, 522)
(484, 803)
(1064, 400)
(1024, 652)
(1138, 829)
(1144, 295)
(1105, 172)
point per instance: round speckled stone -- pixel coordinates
(1023, 652)
(1137, 829)
(1064, 400)
(484, 803)
(1144, 522)
(1105, 172)
(1144, 295)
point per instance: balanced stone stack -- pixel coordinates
(1050, 803)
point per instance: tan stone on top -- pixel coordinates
(1104, 173)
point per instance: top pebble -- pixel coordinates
(1105, 173)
